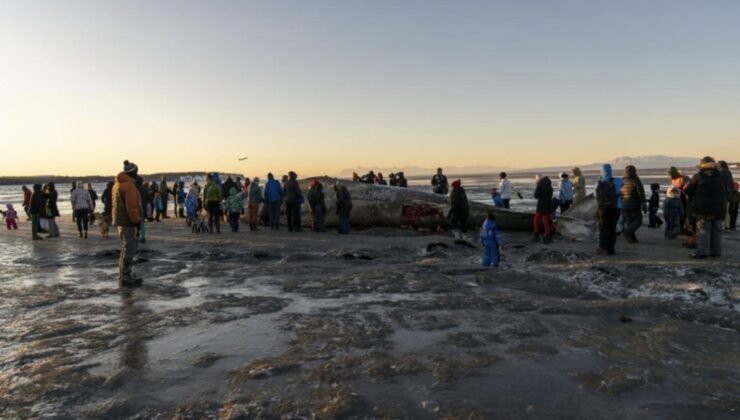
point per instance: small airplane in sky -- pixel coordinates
(244, 158)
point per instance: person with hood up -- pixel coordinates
(126, 215)
(653, 206)
(107, 199)
(492, 242)
(579, 185)
(672, 212)
(401, 180)
(36, 209)
(734, 205)
(317, 204)
(27, 201)
(273, 200)
(191, 206)
(228, 185)
(82, 205)
(344, 208)
(255, 199)
(543, 213)
(234, 205)
(707, 194)
(607, 191)
(164, 191)
(11, 217)
(459, 207)
(212, 197)
(565, 194)
(52, 211)
(634, 203)
(293, 201)
(724, 170)
(439, 183)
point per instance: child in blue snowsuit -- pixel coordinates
(491, 238)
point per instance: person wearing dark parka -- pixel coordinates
(707, 194)
(127, 215)
(634, 203)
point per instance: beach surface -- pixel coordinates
(383, 323)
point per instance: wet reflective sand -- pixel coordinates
(383, 323)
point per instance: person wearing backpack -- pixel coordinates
(608, 209)
(634, 203)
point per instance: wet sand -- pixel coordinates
(379, 324)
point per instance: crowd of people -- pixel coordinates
(698, 207)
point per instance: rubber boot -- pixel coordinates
(536, 238)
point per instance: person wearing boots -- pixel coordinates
(126, 214)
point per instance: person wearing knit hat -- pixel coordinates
(707, 199)
(672, 212)
(317, 205)
(126, 214)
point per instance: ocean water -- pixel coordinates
(478, 188)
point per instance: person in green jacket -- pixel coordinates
(234, 205)
(212, 197)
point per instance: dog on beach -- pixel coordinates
(200, 226)
(102, 224)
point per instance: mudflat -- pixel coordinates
(383, 323)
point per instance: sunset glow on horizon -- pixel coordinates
(321, 86)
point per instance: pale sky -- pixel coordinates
(319, 86)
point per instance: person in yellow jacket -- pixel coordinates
(126, 215)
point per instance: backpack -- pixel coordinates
(606, 195)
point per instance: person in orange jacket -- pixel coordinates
(127, 216)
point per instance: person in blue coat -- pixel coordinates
(565, 196)
(496, 197)
(491, 239)
(609, 205)
(273, 200)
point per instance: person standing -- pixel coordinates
(126, 215)
(293, 201)
(255, 198)
(107, 199)
(180, 197)
(273, 200)
(401, 180)
(459, 207)
(82, 205)
(164, 192)
(506, 189)
(724, 170)
(607, 203)
(439, 183)
(146, 200)
(52, 210)
(94, 198)
(212, 197)
(565, 194)
(36, 208)
(734, 205)
(317, 204)
(634, 203)
(707, 194)
(579, 185)
(27, 201)
(543, 213)
(234, 205)
(344, 208)
(492, 242)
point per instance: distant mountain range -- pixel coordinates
(640, 162)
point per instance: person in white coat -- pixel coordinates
(506, 190)
(82, 205)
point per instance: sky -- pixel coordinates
(319, 86)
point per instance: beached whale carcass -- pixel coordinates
(579, 222)
(380, 205)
